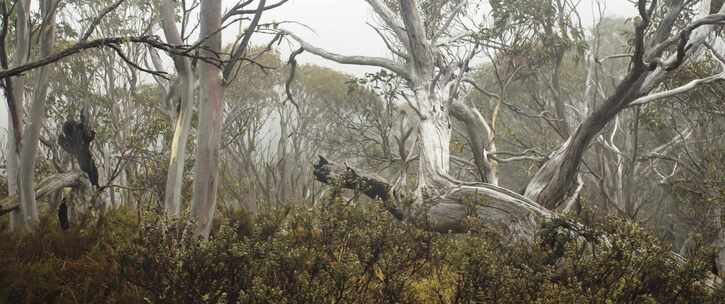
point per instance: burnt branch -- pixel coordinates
(346, 177)
(76, 140)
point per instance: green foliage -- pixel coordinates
(343, 253)
(76, 266)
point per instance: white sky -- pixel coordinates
(340, 26)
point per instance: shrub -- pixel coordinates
(49, 265)
(342, 254)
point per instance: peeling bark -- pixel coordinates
(175, 176)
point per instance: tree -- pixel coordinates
(184, 87)
(437, 83)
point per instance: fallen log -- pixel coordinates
(500, 208)
(446, 212)
(49, 185)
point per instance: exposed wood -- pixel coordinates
(52, 184)
(494, 205)
(185, 102)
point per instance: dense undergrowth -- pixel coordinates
(336, 254)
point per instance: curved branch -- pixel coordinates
(679, 90)
(396, 68)
(152, 41)
(51, 184)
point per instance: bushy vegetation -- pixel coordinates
(75, 266)
(340, 253)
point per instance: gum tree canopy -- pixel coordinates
(432, 45)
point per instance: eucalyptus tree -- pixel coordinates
(31, 133)
(665, 37)
(183, 88)
(213, 79)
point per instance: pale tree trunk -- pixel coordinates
(556, 180)
(22, 40)
(282, 157)
(434, 134)
(434, 128)
(480, 136)
(175, 177)
(211, 94)
(31, 134)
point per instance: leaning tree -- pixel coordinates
(432, 45)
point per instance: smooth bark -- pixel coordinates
(15, 126)
(211, 94)
(175, 177)
(31, 134)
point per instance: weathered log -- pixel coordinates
(51, 184)
(346, 177)
(446, 212)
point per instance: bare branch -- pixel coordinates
(399, 69)
(51, 184)
(449, 21)
(389, 44)
(238, 11)
(98, 19)
(242, 48)
(152, 41)
(385, 13)
(679, 90)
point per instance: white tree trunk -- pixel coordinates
(22, 40)
(211, 95)
(16, 217)
(434, 134)
(480, 136)
(175, 177)
(37, 117)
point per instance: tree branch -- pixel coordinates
(98, 19)
(242, 48)
(51, 184)
(374, 187)
(399, 69)
(388, 16)
(152, 41)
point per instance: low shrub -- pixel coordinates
(341, 253)
(79, 265)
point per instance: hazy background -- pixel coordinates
(341, 26)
